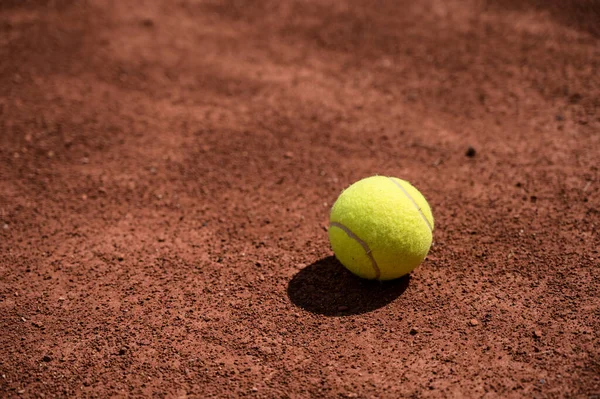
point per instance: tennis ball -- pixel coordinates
(381, 228)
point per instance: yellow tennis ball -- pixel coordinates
(381, 228)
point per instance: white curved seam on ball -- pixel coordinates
(362, 244)
(414, 203)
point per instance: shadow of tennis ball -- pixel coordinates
(328, 288)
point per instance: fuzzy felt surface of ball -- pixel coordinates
(381, 228)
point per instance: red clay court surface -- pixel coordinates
(167, 170)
